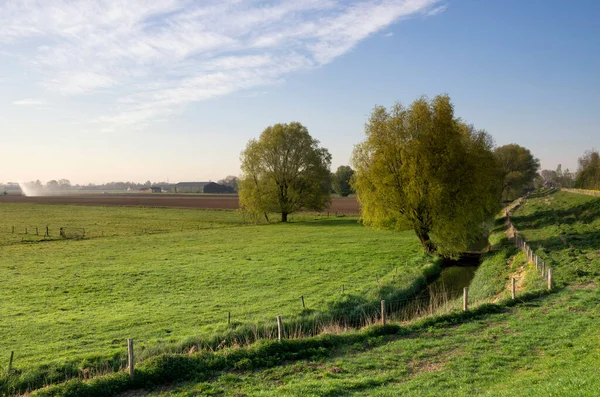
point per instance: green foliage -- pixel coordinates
(284, 171)
(341, 179)
(421, 168)
(588, 175)
(231, 181)
(520, 169)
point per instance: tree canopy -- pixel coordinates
(588, 174)
(341, 180)
(231, 181)
(421, 168)
(519, 170)
(284, 171)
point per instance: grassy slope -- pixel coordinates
(65, 300)
(544, 347)
(547, 347)
(564, 229)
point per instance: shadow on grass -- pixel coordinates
(583, 213)
(346, 311)
(327, 222)
(171, 368)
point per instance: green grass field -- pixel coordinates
(564, 229)
(544, 345)
(541, 345)
(163, 275)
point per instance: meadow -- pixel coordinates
(564, 229)
(542, 344)
(163, 275)
(545, 347)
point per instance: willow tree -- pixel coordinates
(421, 168)
(284, 171)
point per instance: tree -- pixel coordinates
(53, 184)
(421, 168)
(231, 181)
(64, 183)
(549, 176)
(588, 174)
(284, 171)
(519, 168)
(341, 180)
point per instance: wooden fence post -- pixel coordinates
(279, 328)
(513, 288)
(465, 299)
(47, 232)
(550, 279)
(383, 312)
(130, 357)
(12, 355)
(303, 305)
(228, 318)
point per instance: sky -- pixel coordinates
(172, 90)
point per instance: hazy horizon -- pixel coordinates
(172, 91)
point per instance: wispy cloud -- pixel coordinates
(28, 102)
(156, 56)
(436, 10)
(388, 34)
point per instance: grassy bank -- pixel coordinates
(543, 347)
(69, 305)
(564, 229)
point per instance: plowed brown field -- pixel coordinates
(347, 206)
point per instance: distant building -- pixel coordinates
(156, 189)
(212, 187)
(190, 187)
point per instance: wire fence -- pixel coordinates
(532, 258)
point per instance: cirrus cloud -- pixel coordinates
(156, 56)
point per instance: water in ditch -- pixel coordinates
(444, 292)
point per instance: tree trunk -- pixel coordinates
(426, 242)
(284, 216)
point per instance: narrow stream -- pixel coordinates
(455, 275)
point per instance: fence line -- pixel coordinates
(589, 192)
(520, 243)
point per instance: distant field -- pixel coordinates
(165, 274)
(348, 206)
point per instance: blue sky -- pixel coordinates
(173, 89)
